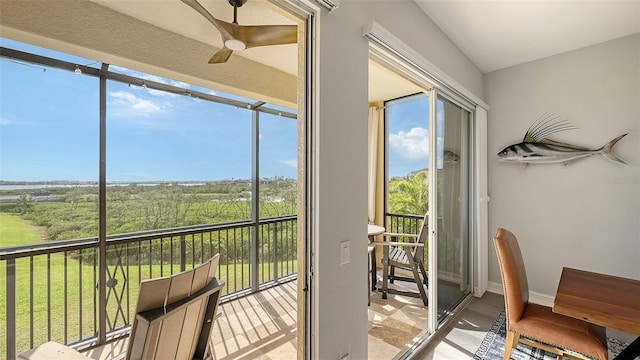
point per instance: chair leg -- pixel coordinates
(368, 284)
(424, 273)
(512, 341)
(385, 271)
(392, 274)
(372, 264)
(416, 277)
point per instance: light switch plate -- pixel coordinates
(344, 252)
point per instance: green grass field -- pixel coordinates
(56, 292)
(15, 231)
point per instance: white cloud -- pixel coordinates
(291, 163)
(412, 144)
(127, 104)
(17, 123)
(4, 121)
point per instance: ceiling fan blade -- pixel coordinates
(221, 56)
(264, 35)
(222, 28)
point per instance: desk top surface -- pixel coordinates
(606, 300)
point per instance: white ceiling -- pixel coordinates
(499, 34)
(493, 34)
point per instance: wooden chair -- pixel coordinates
(408, 255)
(174, 317)
(536, 325)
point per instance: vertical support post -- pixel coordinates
(11, 308)
(102, 211)
(255, 196)
(183, 253)
(275, 252)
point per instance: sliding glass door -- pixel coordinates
(452, 210)
(429, 170)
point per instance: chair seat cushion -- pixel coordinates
(541, 323)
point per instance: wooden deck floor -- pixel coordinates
(263, 326)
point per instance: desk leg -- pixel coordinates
(631, 351)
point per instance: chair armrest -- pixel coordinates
(393, 243)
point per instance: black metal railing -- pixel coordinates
(403, 223)
(51, 291)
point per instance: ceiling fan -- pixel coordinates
(239, 37)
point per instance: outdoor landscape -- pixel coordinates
(58, 289)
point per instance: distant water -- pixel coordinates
(49, 186)
(42, 186)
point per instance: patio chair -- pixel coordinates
(536, 325)
(408, 256)
(174, 317)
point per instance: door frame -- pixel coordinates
(391, 52)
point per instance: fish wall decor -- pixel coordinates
(537, 148)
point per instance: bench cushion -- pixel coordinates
(52, 351)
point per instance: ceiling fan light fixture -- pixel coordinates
(235, 45)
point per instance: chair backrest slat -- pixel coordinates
(180, 286)
(153, 293)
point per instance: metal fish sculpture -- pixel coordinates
(536, 148)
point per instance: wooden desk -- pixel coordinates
(605, 300)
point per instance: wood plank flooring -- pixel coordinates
(263, 326)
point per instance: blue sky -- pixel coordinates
(49, 130)
(408, 135)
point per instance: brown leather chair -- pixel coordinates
(537, 325)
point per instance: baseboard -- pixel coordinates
(534, 297)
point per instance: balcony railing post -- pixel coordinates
(11, 308)
(183, 253)
(275, 251)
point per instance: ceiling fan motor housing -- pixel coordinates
(237, 3)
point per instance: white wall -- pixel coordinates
(341, 155)
(585, 215)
